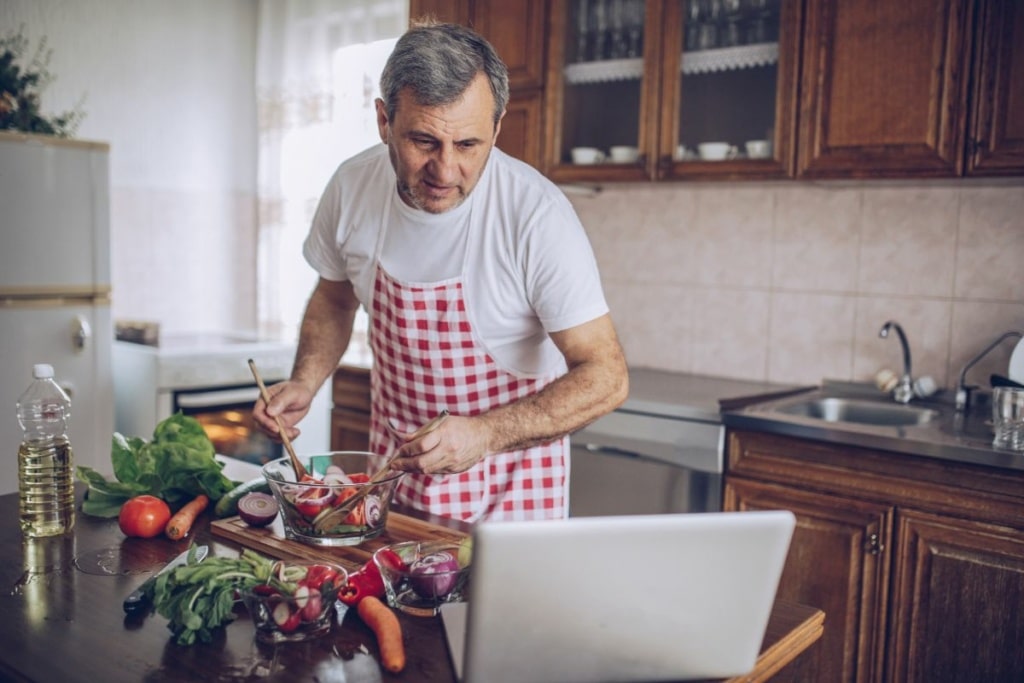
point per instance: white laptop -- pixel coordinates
(626, 598)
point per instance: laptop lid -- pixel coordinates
(628, 598)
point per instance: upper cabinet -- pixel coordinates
(916, 88)
(758, 89)
(516, 30)
(670, 89)
(883, 88)
(996, 141)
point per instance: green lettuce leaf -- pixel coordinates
(177, 465)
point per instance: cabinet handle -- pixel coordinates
(873, 546)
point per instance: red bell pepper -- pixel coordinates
(366, 581)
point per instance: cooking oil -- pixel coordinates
(46, 501)
(46, 495)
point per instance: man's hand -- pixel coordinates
(288, 400)
(455, 446)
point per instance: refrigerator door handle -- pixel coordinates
(80, 333)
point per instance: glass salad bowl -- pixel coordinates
(338, 505)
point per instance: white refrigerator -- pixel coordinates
(55, 288)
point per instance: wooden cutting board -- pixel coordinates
(270, 540)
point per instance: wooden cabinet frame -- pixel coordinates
(937, 591)
(847, 126)
(996, 143)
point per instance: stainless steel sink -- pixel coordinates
(860, 411)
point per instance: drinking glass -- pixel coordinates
(1008, 418)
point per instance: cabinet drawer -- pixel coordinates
(351, 388)
(350, 430)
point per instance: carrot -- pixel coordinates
(181, 521)
(384, 624)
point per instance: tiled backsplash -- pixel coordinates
(791, 282)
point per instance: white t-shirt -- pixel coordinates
(527, 264)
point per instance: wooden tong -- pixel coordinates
(300, 470)
(330, 517)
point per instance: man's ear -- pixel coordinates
(382, 120)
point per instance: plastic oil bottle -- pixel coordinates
(46, 494)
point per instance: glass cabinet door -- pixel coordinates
(601, 90)
(731, 92)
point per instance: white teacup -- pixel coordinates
(624, 154)
(758, 149)
(587, 155)
(716, 151)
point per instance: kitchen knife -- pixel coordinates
(139, 598)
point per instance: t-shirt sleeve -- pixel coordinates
(320, 248)
(563, 281)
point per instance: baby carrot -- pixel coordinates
(181, 522)
(384, 624)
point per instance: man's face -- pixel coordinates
(439, 153)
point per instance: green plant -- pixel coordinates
(21, 86)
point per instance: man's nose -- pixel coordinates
(444, 164)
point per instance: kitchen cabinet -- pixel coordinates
(954, 105)
(996, 142)
(350, 412)
(917, 563)
(884, 88)
(665, 76)
(914, 89)
(516, 30)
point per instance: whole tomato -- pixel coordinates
(144, 516)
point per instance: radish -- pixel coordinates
(285, 619)
(301, 595)
(311, 612)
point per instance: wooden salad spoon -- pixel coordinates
(330, 517)
(300, 469)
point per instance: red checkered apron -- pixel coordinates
(427, 358)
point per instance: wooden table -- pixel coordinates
(61, 620)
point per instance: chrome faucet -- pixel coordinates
(904, 390)
(963, 392)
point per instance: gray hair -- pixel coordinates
(437, 62)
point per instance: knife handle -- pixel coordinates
(138, 598)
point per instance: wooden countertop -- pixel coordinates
(61, 620)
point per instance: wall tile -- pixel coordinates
(731, 243)
(990, 249)
(688, 277)
(908, 241)
(730, 337)
(655, 325)
(810, 337)
(817, 238)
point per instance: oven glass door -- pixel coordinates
(226, 416)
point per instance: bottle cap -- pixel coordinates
(42, 371)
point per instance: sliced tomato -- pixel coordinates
(309, 510)
(358, 515)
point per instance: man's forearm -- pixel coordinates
(323, 338)
(585, 393)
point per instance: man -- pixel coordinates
(482, 291)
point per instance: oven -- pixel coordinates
(207, 376)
